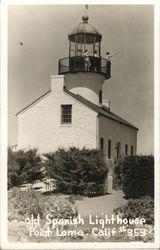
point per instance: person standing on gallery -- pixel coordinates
(95, 62)
(108, 64)
(86, 60)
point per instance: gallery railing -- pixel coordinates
(80, 64)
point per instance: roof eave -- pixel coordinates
(38, 99)
(127, 124)
(120, 121)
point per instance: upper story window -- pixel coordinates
(118, 149)
(126, 149)
(132, 150)
(109, 149)
(66, 114)
(100, 96)
(102, 144)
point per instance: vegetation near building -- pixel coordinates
(135, 174)
(78, 171)
(23, 167)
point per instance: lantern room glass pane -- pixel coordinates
(78, 49)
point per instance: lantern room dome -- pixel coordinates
(85, 33)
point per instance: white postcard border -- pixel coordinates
(4, 133)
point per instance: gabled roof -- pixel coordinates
(38, 99)
(100, 110)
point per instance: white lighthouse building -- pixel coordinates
(72, 112)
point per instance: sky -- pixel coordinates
(38, 37)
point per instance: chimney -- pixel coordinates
(106, 104)
(57, 83)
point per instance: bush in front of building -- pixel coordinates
(138, 208)
(90, 189)
(135, 174)
(77, 171)
(23, 204)
(117, 182)
(23, 167)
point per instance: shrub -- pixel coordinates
(74, 169)
(139, 208)
(22, 204)
(23, 166)
(93, 189)
(136, 175)
(117, 182)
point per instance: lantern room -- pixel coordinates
(84, 51)
(84, 37)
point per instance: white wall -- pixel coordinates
(86, 84)
(40, 124)
(117, 132)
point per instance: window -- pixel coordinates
(102, 143)
(118, 148)
(66, 113)
(109, 149)
(132, 150)
(126, 149)
(100, 96)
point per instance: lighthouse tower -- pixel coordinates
(84, 69)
